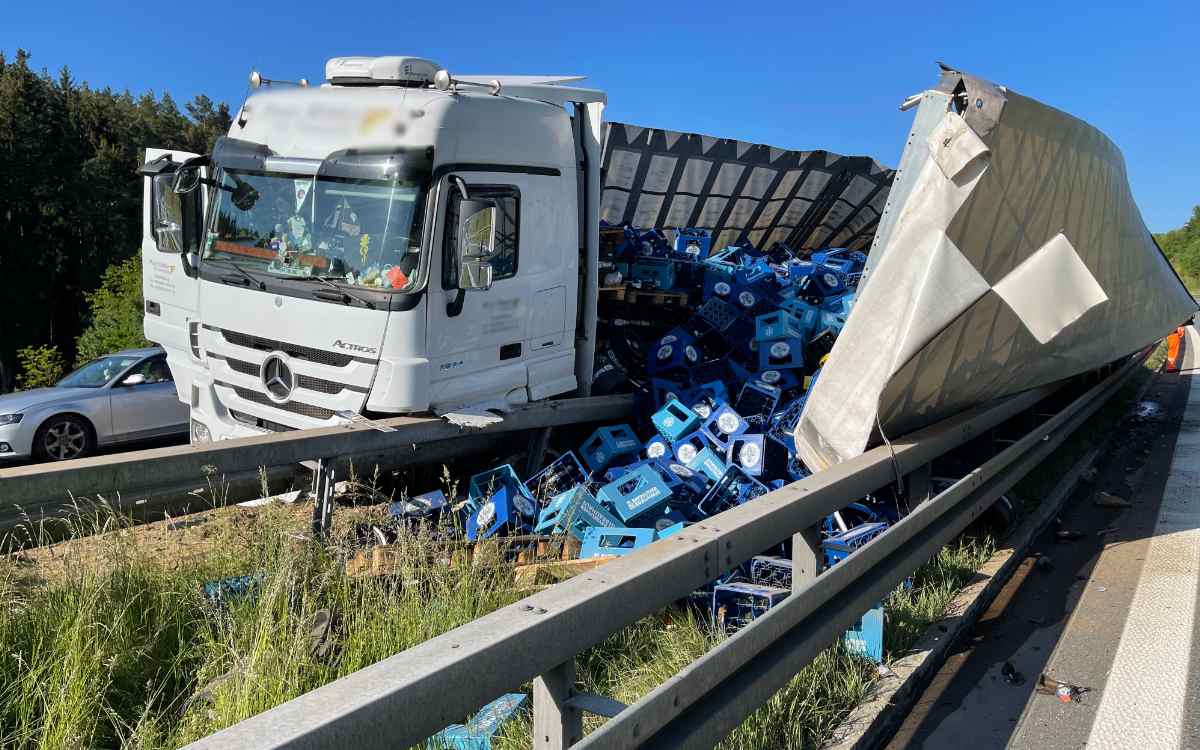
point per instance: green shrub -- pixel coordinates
(40, 366)
(115, 313)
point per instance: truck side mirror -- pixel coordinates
(475, 274)
(187, 179)
(476, 243)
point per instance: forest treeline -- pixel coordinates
(70, 198)
(1182, 248)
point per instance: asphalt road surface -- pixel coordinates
(1113, 610)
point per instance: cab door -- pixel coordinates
(483, 341)
(172, 232)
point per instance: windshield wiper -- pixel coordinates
(346, 293)
(262, 285)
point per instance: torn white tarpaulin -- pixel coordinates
(1016, 257)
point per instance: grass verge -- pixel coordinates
(120, 649)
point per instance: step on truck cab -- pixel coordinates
(395, 240)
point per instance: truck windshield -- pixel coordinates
(361, 232)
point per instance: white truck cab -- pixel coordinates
(394, 241)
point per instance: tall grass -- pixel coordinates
(119, 649)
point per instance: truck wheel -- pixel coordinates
(64, 437)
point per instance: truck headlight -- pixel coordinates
(200, 433)
(10, 418)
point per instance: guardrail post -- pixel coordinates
(322, 470)
(538, 442)
(556, 725)
(806, 557)
(917, 485)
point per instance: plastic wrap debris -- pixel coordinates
(477, 733)
(232, 589)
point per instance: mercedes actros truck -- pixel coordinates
(395, 240)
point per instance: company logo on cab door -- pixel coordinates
(347, 346)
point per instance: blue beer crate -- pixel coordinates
(723, 425)
(560, 475)
(636, 493)
(840, 546)
(656, 448)
(687, 485)
(756, 403)
(737, 604)
(653, 270)
(783, 354)
(766, 570)
(673, 355)
(718, 313)
(663, 390)
(784, 380)
(498, 512)
(671, 530)
(784, 421)
(706, 397)
(777, 325)
(734, 488)
(695, 244)
(418, 505)
(600, 541)
(477, 733)
(832, 321)
(609, 445)
(748, 453)
(484, 484)
(708, 462)
(808, 315)
(675, 420)
(574, 511)
(865, 637)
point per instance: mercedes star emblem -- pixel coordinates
(277, 377)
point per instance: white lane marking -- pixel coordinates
(1143, 702)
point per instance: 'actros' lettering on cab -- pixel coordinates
(339, 344)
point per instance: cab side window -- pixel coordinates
(508, 224)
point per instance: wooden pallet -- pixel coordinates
(634, 296)
(519, 550)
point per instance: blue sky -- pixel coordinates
(796, 75)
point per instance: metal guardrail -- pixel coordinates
(404, 699)
(162, 478)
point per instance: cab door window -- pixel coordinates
(505, 251)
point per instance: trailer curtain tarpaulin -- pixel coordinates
(1011, 255)
(741, 191)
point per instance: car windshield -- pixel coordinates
(98, 372)
(361, 232)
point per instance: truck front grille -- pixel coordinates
(302, 381)
(254, 421)
(306, 410)
(306, 353)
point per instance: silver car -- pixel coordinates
(114, 399)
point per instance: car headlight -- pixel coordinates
(200, 433)
(10, 418)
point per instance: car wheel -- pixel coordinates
(64, 437)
